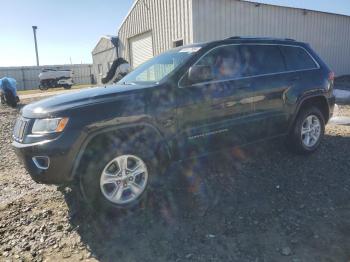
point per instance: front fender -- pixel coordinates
(162, 148)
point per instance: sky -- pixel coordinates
(68, 30)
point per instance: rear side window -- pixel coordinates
(297, 58)
(262, 59)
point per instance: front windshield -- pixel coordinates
(156, 69)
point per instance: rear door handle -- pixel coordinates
(217, 106)
(294, 79)
(240, 87)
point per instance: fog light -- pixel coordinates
(41, 162)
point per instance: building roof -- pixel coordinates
(106, 42)
(131, 9)
(291, 7)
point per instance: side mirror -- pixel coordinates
(199, 74)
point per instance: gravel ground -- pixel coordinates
(257, 203)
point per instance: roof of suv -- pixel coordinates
(239, 39)
(260, 38)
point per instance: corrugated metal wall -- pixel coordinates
(103, 58)
(103, 54)
(167, 20)
(207, 20)
(27, 77)
(328, 34)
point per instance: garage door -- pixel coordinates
(141, 49)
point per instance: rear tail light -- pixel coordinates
(331, 76)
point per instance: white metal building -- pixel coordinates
(103, 55)
(154, 26)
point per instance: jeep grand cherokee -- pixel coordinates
(114, 140)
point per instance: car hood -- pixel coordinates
(48, 107)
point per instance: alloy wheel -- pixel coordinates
(124, 179)
(311, 131)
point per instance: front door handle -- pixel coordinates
(169, 122)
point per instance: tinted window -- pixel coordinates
(159, 67)
(297, 58)
(224, 62)
(262, 59)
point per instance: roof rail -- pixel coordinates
(260, 38)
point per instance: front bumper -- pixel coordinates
(60, 161)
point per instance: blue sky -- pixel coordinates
(66, 28)
(71, 28)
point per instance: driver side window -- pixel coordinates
(221, 63)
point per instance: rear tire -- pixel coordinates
(67, 87)
(308, 131)
(44, 86)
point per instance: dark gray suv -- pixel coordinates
(113, 141)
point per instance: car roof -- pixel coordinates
(265, 40)
(243, 40)
(260, 38)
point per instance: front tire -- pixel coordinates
(307, 132)
(120, 176)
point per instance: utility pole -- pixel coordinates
(36, 44)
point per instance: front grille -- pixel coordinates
(20, 128)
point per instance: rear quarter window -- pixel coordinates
(297, 58)
(262, 59)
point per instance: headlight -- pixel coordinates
(50, 125)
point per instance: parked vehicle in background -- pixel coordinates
(8, 92)
(115, 141)
(52, 78)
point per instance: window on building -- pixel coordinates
(262, 59)
(297, 58)
(178, 43)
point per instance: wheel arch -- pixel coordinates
(318, 100)
(102, 136)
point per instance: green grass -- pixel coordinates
(35, 91)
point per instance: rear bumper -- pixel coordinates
(331, 104)
(60, 161)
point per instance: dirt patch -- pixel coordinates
(257, 203)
